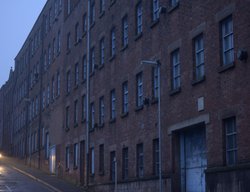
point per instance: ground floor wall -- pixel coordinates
(151, 185)
(228, 179)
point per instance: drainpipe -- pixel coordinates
(87, 97)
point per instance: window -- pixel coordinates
(112, 104)
(155, 82)
(59, 42)
(174, 3)
(102, 52)
(125, 97)
(77, 33)
(112, 166)
(47, 145)
(76, 151)
(227, 41)
(140, 160)
(84, 68)
(84, 107)
(67, 158)
(125, 163)
(102, 6)
(101, 110)
(54, 48)
(101, 159)
(92, 115)
(176, 74)
(155, 9)
(48, 94)
(56, 8)
(50, 17)
(84, 23)
(112, 51)
(68, 82)
(139, 91)
(58, 79)
(68, 42)
(68, 6)
(92, 161)
(76, 112)
(49, 55)
(43, 99)
(92, 61)
(45, 62)
(67, 117)
(231, 140)
(199, 57)
(37, 105)
(92, 12)
(139, 18)
(156, 156)
(76, 74)
(125, 31)
(53, 89)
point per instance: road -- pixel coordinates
(13, 181)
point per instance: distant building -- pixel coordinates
(81, 104)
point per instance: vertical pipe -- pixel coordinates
(159, 125)
(87, 97)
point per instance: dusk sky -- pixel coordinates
(17, 18)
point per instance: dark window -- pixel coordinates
(67, 158)
(101, 159)
(125, 31)
(84, 68)
(101, 110)
(76, 74)
(156, 156)
(68, 82)
(67, 118)
(176, 73)
(125, 163)
(227, 41)
(76, 112)
(76, 152)
(112, 105)
(231, 140)
(199, 72)
(102, 52)
(139, 90)
(84, 107)
(139, 18)
(113, 43)
(112, 166)
(140, 160)
(155, 10)
(125, 97)
(92, 12)
(155, 82)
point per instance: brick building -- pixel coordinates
(85, 95)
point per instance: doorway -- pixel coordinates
(193, 160)
(52, 160)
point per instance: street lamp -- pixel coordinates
(157, 64)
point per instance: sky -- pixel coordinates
(17, 18)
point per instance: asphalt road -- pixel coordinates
(13, 181)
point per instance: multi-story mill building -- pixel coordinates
(83, 100)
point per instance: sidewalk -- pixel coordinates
(51, 181)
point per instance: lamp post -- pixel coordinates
(157, 64)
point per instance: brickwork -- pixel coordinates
(187, 100)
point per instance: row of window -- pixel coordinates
(140, 165)
(113, 102)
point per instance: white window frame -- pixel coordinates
(125, 97)
(199, 57)
(139, 81)
(139, 12)
(227, 40)
(125, 30)
(176, 74)
(155, 10)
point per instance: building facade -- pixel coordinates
(134, 95)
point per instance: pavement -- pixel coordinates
(51, 181)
